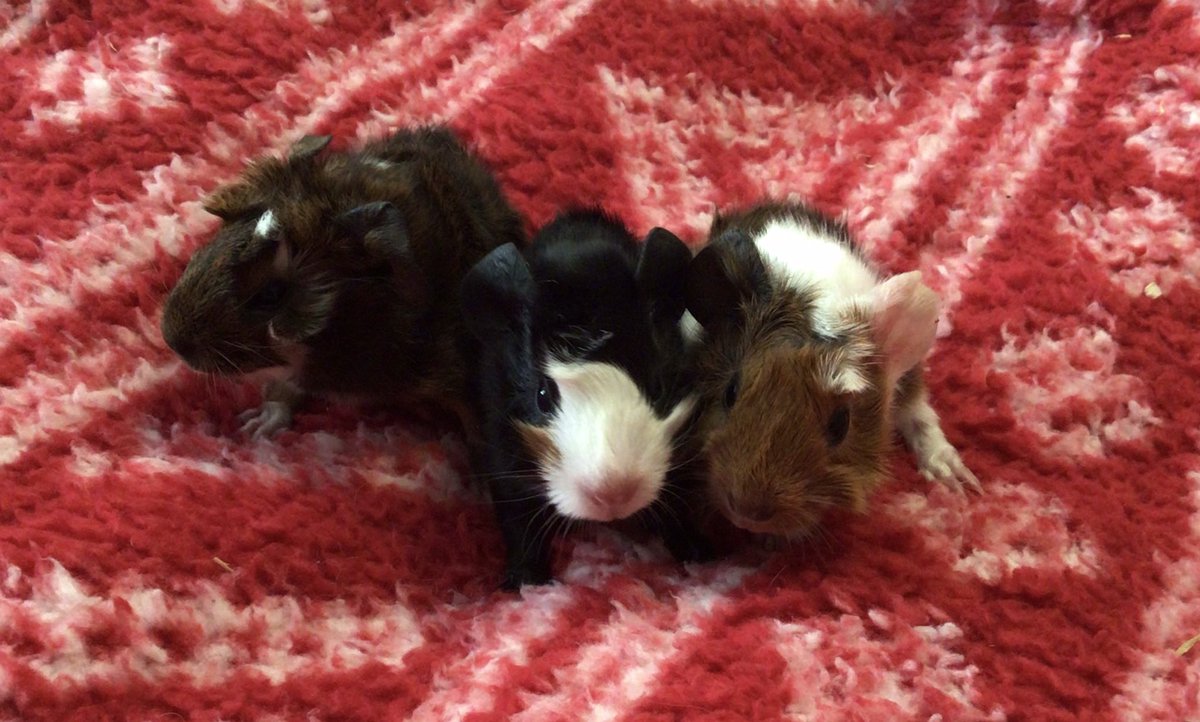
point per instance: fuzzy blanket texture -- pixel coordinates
(1036, 160)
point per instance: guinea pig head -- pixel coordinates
(271, 278)
(794, 423)
(593, 403)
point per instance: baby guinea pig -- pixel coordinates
(340, 272)
(807, 362)
(581, 385)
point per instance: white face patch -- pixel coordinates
(266, 225)
(613, 451)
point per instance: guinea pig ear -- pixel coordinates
(308, 147)
(380, 227)
(904, 315)
(726, 272)
(662, 273)
(497, 293)
(235, 200)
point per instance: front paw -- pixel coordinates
(516, 577)
(942, 464)
(265, 421)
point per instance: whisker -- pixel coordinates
(519, 499)
(534, 517)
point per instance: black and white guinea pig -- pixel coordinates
(581, 384)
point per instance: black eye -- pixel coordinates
(731, 391)
(547, 395)
(838, 426)
(269, 296)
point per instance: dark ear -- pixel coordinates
(380, 227)
(307, 147)
(727, 272)
(235, 200)
(662, 273)
(497, 293)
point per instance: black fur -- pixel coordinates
(584, 290)
(381, 238)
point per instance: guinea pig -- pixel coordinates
(582, 385)
(807, 362)
(339, 271)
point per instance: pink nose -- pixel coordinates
(613, 494)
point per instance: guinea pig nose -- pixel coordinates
(185, 346)
(613, 494)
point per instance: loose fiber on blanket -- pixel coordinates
(1036, 160)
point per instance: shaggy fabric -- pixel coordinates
(1037, 160)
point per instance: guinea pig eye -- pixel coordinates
(547, 395)
(838, 426)
(731, 391)
(269, 296)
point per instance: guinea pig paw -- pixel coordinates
(944, 466)
(265, 421)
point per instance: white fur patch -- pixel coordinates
(693, 332)
(606, 434)
(808, 259)
(805, 258)
(266, 225)
(380, 163)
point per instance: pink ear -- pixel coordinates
(904, 319)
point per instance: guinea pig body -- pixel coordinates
(808, 361)
(341, 271)
(581, 384)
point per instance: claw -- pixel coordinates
(263, 422)
(941, 463)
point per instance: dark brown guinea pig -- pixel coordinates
(808, 361)
(340, 270)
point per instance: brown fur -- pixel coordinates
(768, 455)
(374, 319)
(769, 464)
(539, 444)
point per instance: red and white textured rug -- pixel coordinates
(1037, 160)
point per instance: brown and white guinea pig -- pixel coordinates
(341, 271)
(582, 385)
(807, 361)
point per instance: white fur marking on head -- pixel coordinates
(266, 225)
(843, 376)
(806, 258)
(693, 332)
(380, 163)
(605, 431)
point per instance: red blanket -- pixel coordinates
(1036, 160)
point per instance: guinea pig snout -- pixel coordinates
(193, 348)
(613, 497)
(181, 344)
(750, 512)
